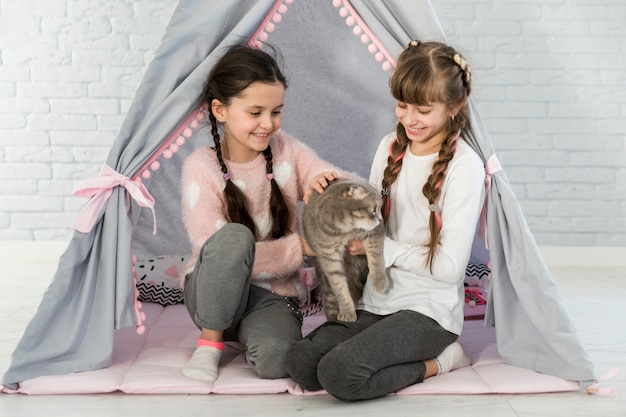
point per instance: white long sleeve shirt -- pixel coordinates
(440, 294)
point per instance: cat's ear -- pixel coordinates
(357, 192)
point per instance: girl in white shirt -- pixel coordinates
(432, 187)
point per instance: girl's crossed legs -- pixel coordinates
(371, 357)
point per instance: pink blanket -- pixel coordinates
(151, 364)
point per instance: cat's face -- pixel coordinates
(367, 218)
(364, 209)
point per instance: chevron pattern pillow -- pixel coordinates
(158, 279)
(477, 275)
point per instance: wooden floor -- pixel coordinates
(594, 297)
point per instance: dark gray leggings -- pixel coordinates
(371, 357)
(219, 296)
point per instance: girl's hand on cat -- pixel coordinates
(319, 182)
(355, 247)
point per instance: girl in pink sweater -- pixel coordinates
(239, 204)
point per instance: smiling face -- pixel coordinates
(250, 120)
(425, 125)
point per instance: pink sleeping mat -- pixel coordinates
(151, 364)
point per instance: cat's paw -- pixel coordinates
(380, 283)
(347, 316)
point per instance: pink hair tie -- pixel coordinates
(226, 176)
(270, 176)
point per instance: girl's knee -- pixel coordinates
(301, 365)
(233, 240)
(340, 379)
(269, 360)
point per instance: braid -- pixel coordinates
(466, 72)
(432, 191)
(235, 201)
(394, 164)
(281, 215)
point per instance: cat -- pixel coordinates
(346, 210)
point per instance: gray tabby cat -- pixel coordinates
(346, 210)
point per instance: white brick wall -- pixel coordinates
(549, 79)
(69, 69)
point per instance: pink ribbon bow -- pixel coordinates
(100, 189)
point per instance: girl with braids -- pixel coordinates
(432, 185)
(239, 202)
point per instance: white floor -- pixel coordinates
(594, 297)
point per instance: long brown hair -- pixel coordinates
(429, 72)
(241, 66)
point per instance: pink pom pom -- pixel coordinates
(181, 140)
(357, 30)
(372, 48)
(167, 154)
(350, 21)
(145, 174)
(187, 132)
(343, 12)
(277, 18)
(379, 57)
(386, 66)
(134, 258)
(200, 116)
(155, 166)
(264, 36)
(288, 1)
(140, 330)
(194, 124)
(270, 27)
(174, 147)
(336, 3)
(364, 38)
(282, 8)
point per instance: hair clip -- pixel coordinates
(414, 43)
(270, 176)
(434, 207)
(226, 176)
(385, 192)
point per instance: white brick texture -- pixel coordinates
(549, 81)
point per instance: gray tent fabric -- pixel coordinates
(338, 55)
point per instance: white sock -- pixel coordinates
(452, 358)
(203, 364)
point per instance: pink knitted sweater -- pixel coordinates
(277, 261)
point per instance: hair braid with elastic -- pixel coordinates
(279, 210)
(394, 164)
(236, 203)
(432, 191)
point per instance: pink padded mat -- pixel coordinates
(151, 364)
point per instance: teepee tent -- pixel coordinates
(338, 55)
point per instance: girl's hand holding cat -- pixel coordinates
(319, 182)
(355, 247)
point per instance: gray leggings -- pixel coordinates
(219, 296)
(371, 357)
